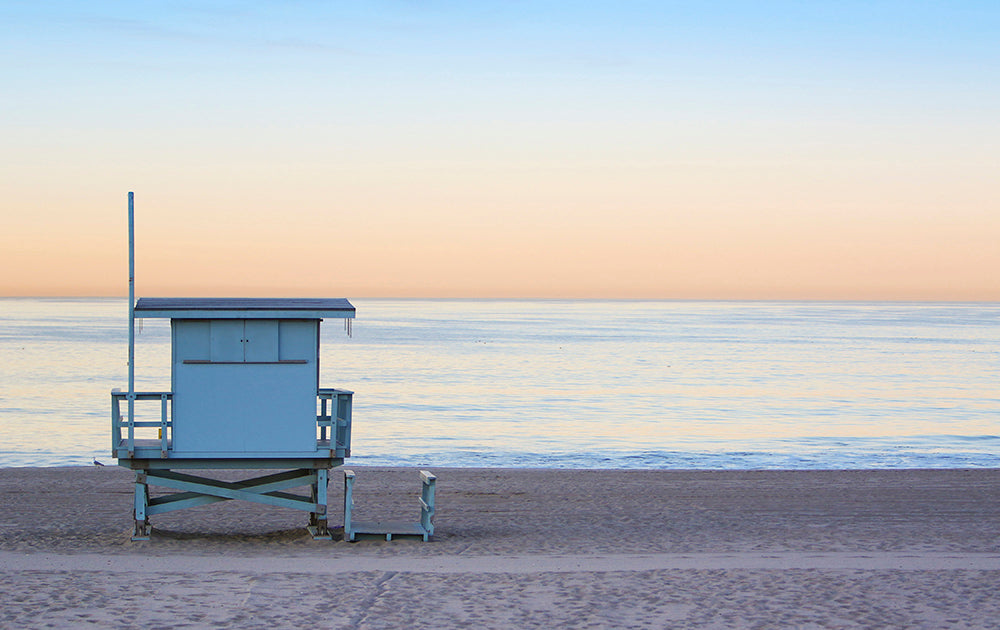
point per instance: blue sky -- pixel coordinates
(728, 149)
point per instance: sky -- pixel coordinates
(690, 150)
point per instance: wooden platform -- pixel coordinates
(424, 528)
(147, 450)
(387, 530)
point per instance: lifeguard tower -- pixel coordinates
(244, 395)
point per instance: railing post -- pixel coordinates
(131, 425)
(343, 423)
(322, 414)
(116, 423)
(163, 426)
(427, 502)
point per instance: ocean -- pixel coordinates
(568, 383)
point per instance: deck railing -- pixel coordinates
(120, 423)
(335, 415)
(333, 422)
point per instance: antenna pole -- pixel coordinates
(131, 311)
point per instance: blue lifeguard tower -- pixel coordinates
(244, 394)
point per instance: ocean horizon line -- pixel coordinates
(722, 300)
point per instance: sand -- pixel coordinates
(519, 549)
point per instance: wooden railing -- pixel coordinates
(333, 423)
(335, 415)
(128, 424)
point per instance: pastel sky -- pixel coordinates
(813, 150)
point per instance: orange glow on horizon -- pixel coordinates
(617, 151)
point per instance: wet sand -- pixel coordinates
(519, 549)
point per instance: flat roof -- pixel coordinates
(244, 308)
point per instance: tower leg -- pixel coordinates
(142, 526)
(318, 523)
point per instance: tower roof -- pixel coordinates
(244, 308)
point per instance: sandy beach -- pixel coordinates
(519, 549)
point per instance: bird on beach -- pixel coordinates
(97, 463)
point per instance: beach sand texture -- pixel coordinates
(519, 549)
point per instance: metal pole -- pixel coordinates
(131, 318)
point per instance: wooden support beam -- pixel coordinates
(261, 490)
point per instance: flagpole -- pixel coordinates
(131, 315)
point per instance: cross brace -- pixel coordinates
(203, 491)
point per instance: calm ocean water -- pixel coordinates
(569, 384)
